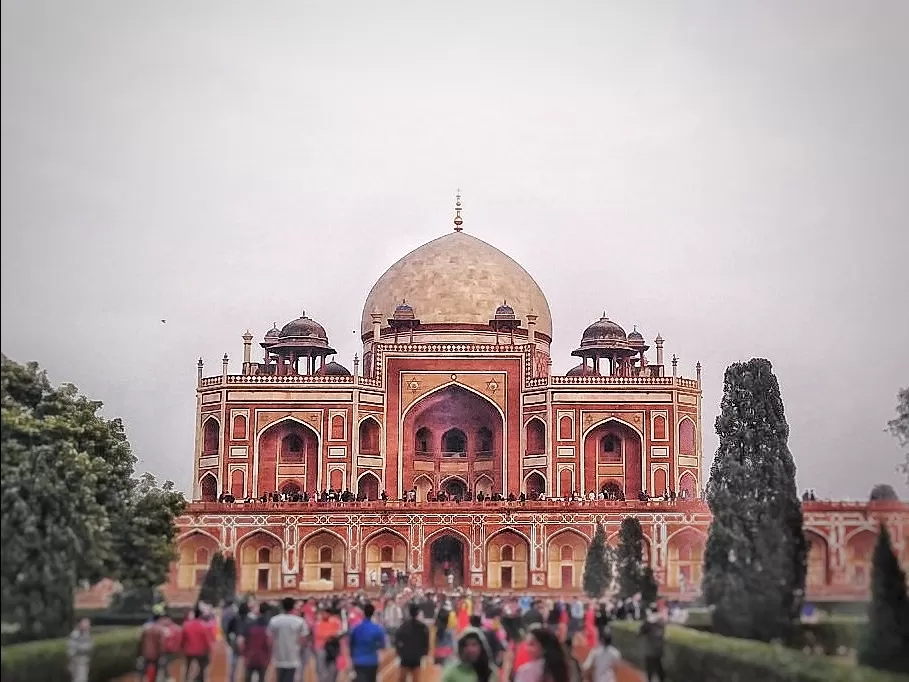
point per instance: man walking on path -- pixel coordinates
(653, 630)
(79, 649)
(412, 645)
(366, 640)
(287, 632)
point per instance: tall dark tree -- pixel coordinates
(598, 567)
(885, 644)
(899, 427)
(883, 492)
(70, 506)
(755, 559)
(230, 578)
(212, 590)
(629, 559)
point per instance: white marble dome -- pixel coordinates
(457, 279)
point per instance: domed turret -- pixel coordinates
(504, 321)
(300, 347)
(636, 339)
(605, 339)
(603, 330)
(334, 369)
(404, 320)
(404, 311)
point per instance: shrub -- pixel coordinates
(702, 656)
(114, 655)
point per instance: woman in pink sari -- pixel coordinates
(463, 616)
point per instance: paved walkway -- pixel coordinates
(388, 669)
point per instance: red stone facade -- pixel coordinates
(454, 405)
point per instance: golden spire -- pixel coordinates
(458, 220)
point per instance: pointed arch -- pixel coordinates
(291, 486)
(267, 447)
(535, 436)
(507, 553)
(685, 558)
(483, 484)
(208, 487)
(632, 456)
(238, 429)
(369, 485)
(687, 431)
(194, 550)
(449, 531)
(423, 483)
(260, 571)
(211, 436)
(384, 552)
(534, 483)
(454, 384)
(611, 418)
(238, 483)
(507, 530)
(689, 483)
(818, 557)
(289, 418)
(370, 436)
(323, 558)
(455, 485)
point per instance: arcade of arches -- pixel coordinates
(506, 560)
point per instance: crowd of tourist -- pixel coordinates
(413, 496)
(473, 637)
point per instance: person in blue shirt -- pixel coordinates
(366, 640)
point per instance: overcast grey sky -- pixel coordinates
(733, 175)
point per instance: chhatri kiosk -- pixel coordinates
(455, 395)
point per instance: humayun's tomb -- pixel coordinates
(452, 412)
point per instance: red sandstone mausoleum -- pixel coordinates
(455, 394)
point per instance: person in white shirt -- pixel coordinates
(602, 660)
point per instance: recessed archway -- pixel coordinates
(455, 488)
(287, 442)
(859, 554)
(368, 486)
(685, 560)
(208, 488)
(534, 485)
(816, 576)
(452, 423)
(369, 436)
(615, 448)
(211, 437)
(447, 555)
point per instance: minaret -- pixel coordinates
(697, 368)
(224, 362)
(675, 365)
(199, 372)
(659, 349)
(247, 351)
(458, 220)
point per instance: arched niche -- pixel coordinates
(688, 486)
(816, 576)
(534, 485)
(535, 433)
(859, 558)
(323, 561)
(566, 554)
(507, 561)
(369, 436)
(238, 483)
(369, 486)
(659, 482)
(385, 553)
(685, 560)
(195, 552)
(260, 558)
(208, 488)
(686, 437)
(211, 437)
(238, 430)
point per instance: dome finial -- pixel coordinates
(458, 220)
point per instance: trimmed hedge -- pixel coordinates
(114, 655)
(693, 655)
(111, 618)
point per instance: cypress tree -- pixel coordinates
(230, 578)
(885, 644)
(755, 559)
(597, 569)
(628, 558)
(213, 585)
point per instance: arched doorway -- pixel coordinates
(685, 561)
(612, 490)
(454, 443)
(288, 442)
(208, 488)
(859, 553)
(455, 488)
(447, 556)
(817, 561)
(195, 552)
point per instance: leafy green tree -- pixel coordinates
(629, 559)
(597, 568)
(69, 502)
(212, 590)
(648, 587)
(899, 427)
(885, 644)
(230, 577)
(755, 559)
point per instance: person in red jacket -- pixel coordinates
(170, 650)
(198, 638)
(256, 647)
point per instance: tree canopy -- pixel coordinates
(883, 492)
(899, 427)
(634, 576)
(71, 509)
(755, 559)
(598, 567)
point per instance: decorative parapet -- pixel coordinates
(243, 380)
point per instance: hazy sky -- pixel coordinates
(733, 175)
